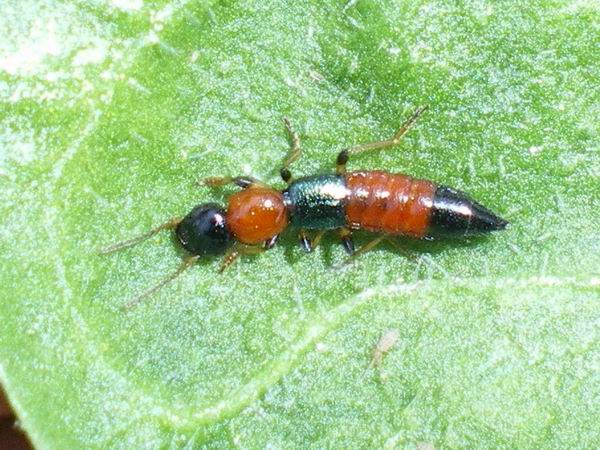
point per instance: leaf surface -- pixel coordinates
(111, 111)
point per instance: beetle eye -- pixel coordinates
(204, 230)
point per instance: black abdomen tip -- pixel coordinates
(455, 214)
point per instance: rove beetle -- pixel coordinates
(378, 201)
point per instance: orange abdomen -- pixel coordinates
(256, 214)
(379, 201)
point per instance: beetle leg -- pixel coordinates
(237, 250)
(344, 155)
(305, 241)
(318, 238)
(243, 182)
(400, 249)
(309, 244)
(293, 154)
(347, 241)
(270, 243)
(365, 248)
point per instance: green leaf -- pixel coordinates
(111, 110)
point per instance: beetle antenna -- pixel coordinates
(171, 224)
(185, 264)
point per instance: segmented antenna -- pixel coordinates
(171, 224)
(185, 264)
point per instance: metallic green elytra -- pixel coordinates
(317, 202)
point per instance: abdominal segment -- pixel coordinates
(380, 201)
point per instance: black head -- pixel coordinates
(204, 230)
